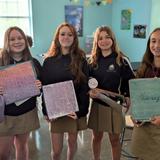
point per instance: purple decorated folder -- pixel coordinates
(2, 105)
(18, 82)
(60, 99)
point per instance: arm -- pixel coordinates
(126, 74)
(82, 93)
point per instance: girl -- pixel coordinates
(146, 137)
(19, 120)
(112, 71)
(65, 62)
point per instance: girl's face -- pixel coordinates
(65, 37)
(155, 43)
(16, 42)
(104, 41)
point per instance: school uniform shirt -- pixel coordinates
(30, 104)
(111, 76)
(56, 69)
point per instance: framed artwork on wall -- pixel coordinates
(74, 16)
(126, 19)
(139, 31)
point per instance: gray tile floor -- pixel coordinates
(40, 145)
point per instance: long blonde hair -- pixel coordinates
(96, 51)
(5, 55)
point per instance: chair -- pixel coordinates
(128, 125)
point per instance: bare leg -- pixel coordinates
(116, 146)
(21, 146)
(57, 145)
(6, 144)
(96, 144)
(72, 145)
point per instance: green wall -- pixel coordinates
(48, 14)
(134, 48)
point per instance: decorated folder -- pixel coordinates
(60, 99)
(18, 82)
(145, 98)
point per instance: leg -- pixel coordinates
(21, 146)
(72, 145)
(6, 144)
(57, 145)
(96, 144)
(116, 146)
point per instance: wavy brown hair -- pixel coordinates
(148, 58)
(5, 55)
(77, 55)
(96, 51)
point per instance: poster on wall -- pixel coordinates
(126, 19)
(74, 16)
(139, 31)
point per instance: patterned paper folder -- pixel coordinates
(145, 98)
(1, 108)
(18, 82)
(60, 99)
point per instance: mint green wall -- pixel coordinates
(155, 14)
(48, 14)
(141, 14)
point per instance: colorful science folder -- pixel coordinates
(145, 98)
(18, 82)
(60, 99)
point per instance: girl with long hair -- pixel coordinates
(19, 120)
(112, 70)
(66, 61)
(146, 136)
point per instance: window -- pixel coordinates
(15, 13)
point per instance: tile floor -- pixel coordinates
(40, 145)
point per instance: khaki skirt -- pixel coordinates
(13, 125)
(146, 142)
(104, 118)
(67, 124)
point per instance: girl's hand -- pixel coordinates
(156, 120)
(1, 90)
(137, 123)
(72, 115)
(38, 84)
(47, 119)
(93, 93)
(126, 104)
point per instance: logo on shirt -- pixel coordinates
(111, 68)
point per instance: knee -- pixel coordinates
(72, 141)
(97, 138)
(56, 154)
(21, 148)
(115, 141)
